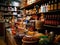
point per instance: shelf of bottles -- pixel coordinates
(51, 6)
(53, 17)
(50, 9)
(8, 8)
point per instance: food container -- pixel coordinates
(29, 40)
(43, 40)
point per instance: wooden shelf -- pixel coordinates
(53, 11)
(30, 6)
(36, 3)
(30, 14)
(8, 11)
(9, 15)
(7, 5)
(51, 26)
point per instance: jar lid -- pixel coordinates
(43, 36)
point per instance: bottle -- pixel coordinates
(15, 9)
(53, 19)
(50, 22)
(46, 19)
(34, 10)
(58, 5)
(41, 8)
(46, 32)
(51, 36)
(37, 9)
(55, 4)
(52, 5)
(45, 8)
(58, 17)
(48, 6)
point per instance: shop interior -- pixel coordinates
(30, 22)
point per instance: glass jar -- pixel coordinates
(43, 40)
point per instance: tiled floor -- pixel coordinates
(2, 41)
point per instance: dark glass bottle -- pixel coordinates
(37, 9)
(58, 4)
(52, 4)
(49, 6)
(55, 4)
